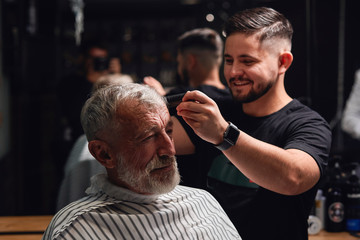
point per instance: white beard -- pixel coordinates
(144, 182)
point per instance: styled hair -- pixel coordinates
(106, 105)
(203, 42)
(266, 22)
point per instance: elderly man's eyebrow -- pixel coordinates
(151, 130)
(170, 123)
(145, 133)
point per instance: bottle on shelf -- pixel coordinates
(320, 206)
(352, 202)
(334, 204)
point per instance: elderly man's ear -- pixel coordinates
(102, 152)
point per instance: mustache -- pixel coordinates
(239, 79)
(159, 162)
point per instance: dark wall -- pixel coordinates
(35, 61)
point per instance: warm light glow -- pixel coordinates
(210, 17)
(189, 2)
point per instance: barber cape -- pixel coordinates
(112, 212)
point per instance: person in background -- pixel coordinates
(81, 165)
(350, 122)
(76, 88)
(199, 59)
(269, 150)
(129, 130)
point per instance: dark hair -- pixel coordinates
(205, 43)
(93, 43)
(201, 38)
(265, 21)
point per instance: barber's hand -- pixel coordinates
(152, 82)
(203, 116)
(114, 65)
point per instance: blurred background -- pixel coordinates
(40, 43)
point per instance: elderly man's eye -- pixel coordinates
(147, 138)
(169, 132)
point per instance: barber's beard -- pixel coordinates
(148, 182)
(253, 94)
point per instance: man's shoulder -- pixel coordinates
(64, 218)
(299, 110)
(182, 191)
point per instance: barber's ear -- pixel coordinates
(102, 152)
(285, 60)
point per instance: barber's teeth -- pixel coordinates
(240, 83)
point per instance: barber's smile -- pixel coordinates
(239, 82)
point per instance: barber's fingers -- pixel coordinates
(202, 124)
(197, 105)
(196, 96)
(194, 119)
(208, 123)
(196, 111)
(195, 101)
(202, 114)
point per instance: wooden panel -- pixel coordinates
(323, 235)
(23, 227)
(24, 223)
(21, 237)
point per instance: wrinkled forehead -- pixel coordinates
(138, 117)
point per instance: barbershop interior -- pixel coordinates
(42, 43)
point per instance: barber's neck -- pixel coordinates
(274, 100)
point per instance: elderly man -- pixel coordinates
(129, 130)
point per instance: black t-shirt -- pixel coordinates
(257, 212)
(194, 168)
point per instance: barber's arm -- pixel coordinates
(183, 144)
(288, 172)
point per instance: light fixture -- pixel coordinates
(210, 17)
